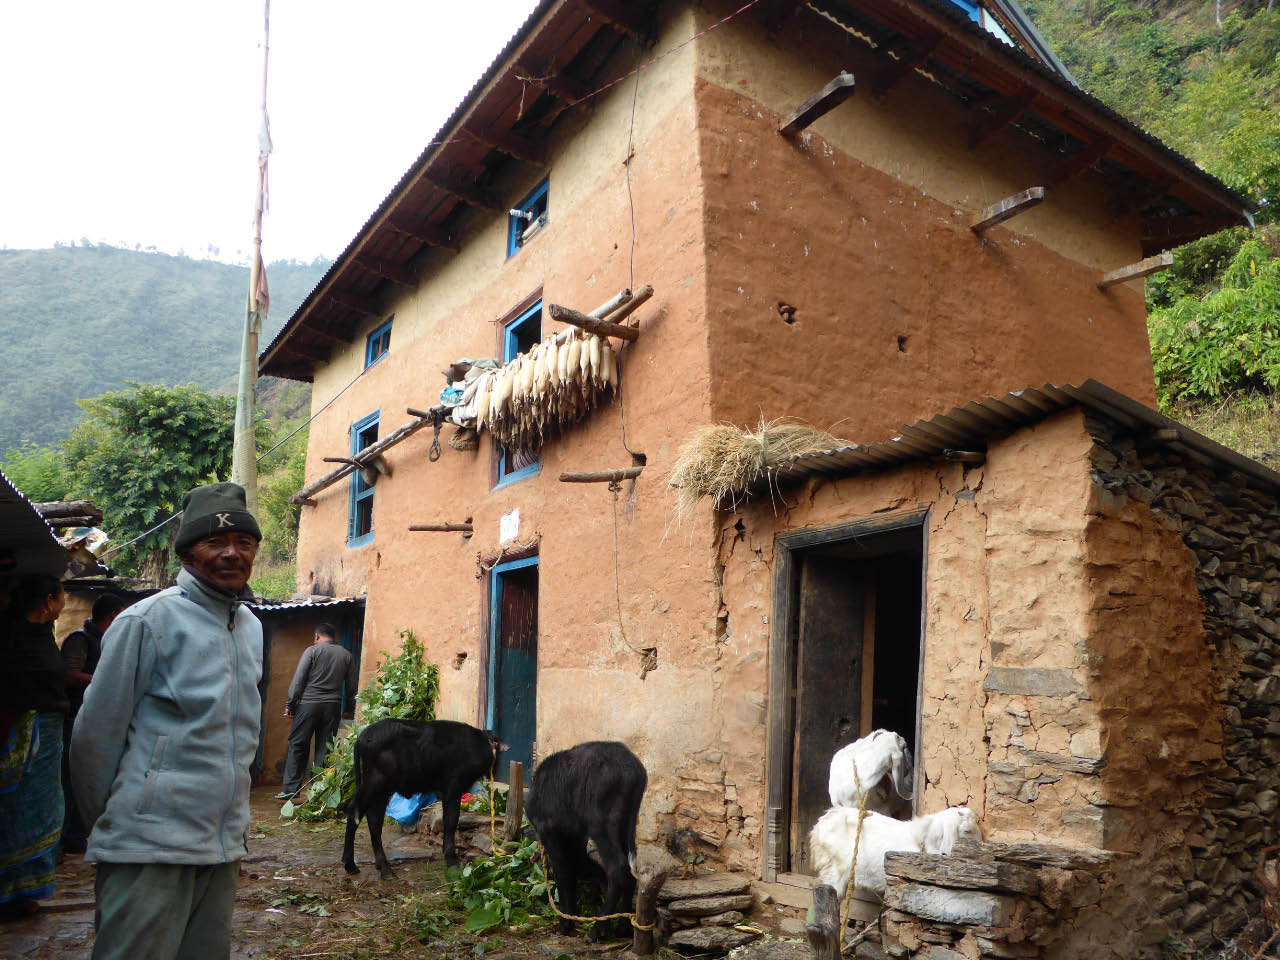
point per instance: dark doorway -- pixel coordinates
(513, 660)
(849, 639)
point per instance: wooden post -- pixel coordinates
(441, 527)
(515, 801)
(1143, 268)
(1006, 208)
(603, 328)
(824, 101)
(648, 884)
(602, 476)
(824, 932)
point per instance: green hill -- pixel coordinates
(82, 320)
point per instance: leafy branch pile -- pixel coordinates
(406, 687)
(508, 888)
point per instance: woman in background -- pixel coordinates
(35, 697)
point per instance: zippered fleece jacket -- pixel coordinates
(161, 749)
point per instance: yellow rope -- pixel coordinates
(853, 866)
(566, 916)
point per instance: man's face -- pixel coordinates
(226, 559)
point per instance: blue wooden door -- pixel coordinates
(513, 660)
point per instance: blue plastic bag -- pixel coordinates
(406, 810)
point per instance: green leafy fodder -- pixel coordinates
(508, 888)
(406, 687)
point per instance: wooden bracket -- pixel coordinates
(825, 100)
(964, 456)
(1080, 161)
(322, 334)
(908, 58)
(1143, 268)
(510, 143)
(394, 272)
(425, 233)
(1001, 115)
(1141, 196)
(602, 328)
(441, 527)
(1006, 208)
(353, 301)
(466, 192)
(622, 16)
(602, 476)
(561, 86)
(302, 350)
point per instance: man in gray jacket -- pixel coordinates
(325, 671)
(161, 749)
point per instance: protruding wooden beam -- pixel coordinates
(302, 350)
(1006, 208)
(425, 233)
(353, 301)
(510, 143)
(441, 528)
(895, 71)
(364, 456)
(1143, 268)
(68, 508)
(602, 476)
(621, 16)
(466, 192)
(325, 335)
(1141, 196)
(601, 328)
(559, 85)
(1001, 115)
(824, 101)
(1077, 163)
(639, 297)
(391, 271)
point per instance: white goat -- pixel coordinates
(832, 838)
(879, 754)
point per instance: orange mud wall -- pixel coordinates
(589, 683)
(861, 225)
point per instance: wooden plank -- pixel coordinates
(386, 443)
(602, 328)
(824, 932)
(602, 476)
(1007, 208)
(824, 101)
(1077, 163)
(1143, 268)
(510, 143)
(366, 305)
(963, 872)
(468, 193)
(1003, 114)
(515, 796)
(908, 58)
(441, 528)
(394, 272)
(67, 508)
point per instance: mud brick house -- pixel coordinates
(858, 213)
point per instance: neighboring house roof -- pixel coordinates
(27, 542)
(269, 608)
(555, 62)
(973, 426)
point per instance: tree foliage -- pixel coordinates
(138, 451)
(39, 472)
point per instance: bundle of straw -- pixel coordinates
(722, 461)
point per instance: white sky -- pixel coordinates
(136, 122)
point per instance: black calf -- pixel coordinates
(408, 757)
(591, 791)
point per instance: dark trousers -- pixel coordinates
(75, 835)
(318, 720)
(156, 911)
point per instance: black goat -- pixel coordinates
(591, 791)
(408, 757)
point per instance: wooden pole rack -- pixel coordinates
(1143, 268)
(441, 527)
(602, 476)
(606, 319)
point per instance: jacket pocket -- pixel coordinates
(153, 773)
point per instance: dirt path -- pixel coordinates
(295, 901)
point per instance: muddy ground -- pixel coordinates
(296, 901)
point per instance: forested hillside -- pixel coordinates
(80, 321)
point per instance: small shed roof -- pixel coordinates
(27, 542)
(973, 426)
(279, 608)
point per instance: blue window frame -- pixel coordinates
(527, 217)
(970, 8)
(519, 336)
(377, 344)
(360, 517)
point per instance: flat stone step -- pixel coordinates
(719, 939)
(707, 906)
(712, 885)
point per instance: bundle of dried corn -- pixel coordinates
(722, 461)
(550, 386)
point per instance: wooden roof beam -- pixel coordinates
(302, 350)
(1174, 229)
(424, 233)
(510, 143)
(388, 271)
(468, 193)
(1143, 268)
(353, 301)
(1002, 114)
(1073, 165)
(1006, 208)
(824, 101)
(324, 335)
(908, 58)
(1141, 196)
(777, 13)
(621, 16)
(559, 85)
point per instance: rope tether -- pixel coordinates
(853, 865)
(568, 916)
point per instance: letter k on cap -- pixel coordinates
(224, 520)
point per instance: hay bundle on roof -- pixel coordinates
(722, 461)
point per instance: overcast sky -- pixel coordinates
(135, 122)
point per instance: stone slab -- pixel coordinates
(707, 906)
(775, 950)
(712, 885)
(1032, 682)
(710, 938)
(950, 906)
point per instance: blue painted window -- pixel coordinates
(520, 336)
(527, 217)
(360, 518)
(377, 344)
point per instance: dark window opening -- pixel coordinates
(377, 344)
(527, 217)
(520, 336)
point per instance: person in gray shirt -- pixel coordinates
(315, 704)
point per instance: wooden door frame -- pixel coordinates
(490, 678)
(782, 646)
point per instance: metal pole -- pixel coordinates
(244, 452)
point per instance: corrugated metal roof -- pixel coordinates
(25, 536)
(974, 425)
(268, 606)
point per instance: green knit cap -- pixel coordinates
(214, 509)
